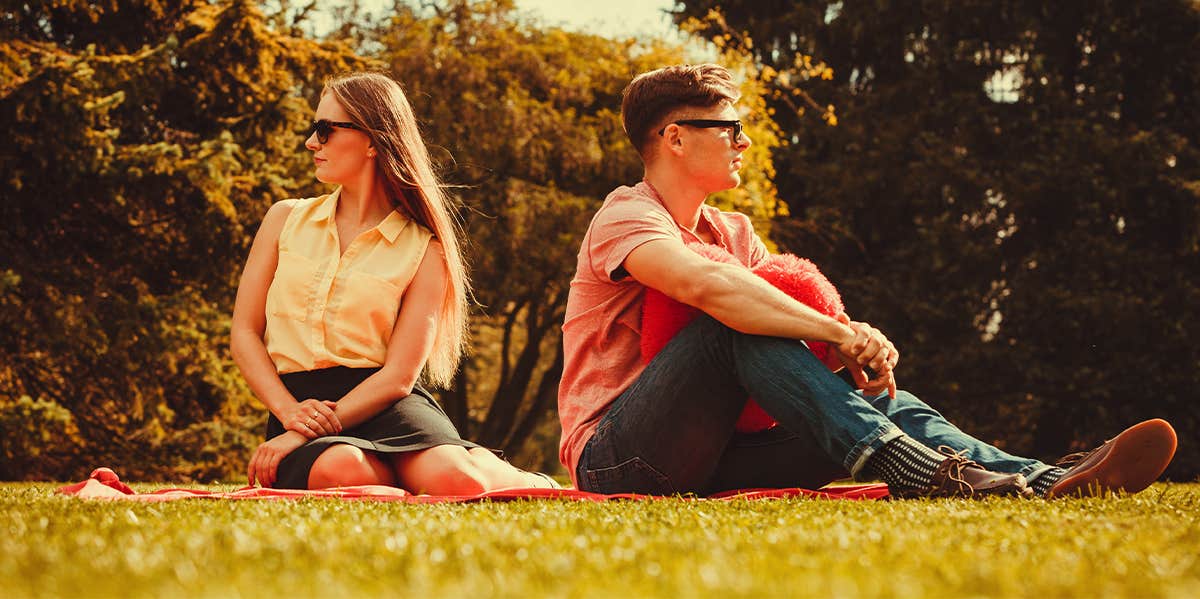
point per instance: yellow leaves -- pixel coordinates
(783, 84)
(715, 16)
(810, 68)
(106, 102)
(829, 116)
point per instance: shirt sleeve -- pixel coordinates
(620, 228)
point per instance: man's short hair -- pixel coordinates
(652, 96)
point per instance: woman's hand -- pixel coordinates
(265, 461)
(311, 418)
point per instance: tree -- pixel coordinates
(1011, 193)
(141, 153)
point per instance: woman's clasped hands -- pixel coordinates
(312, 418)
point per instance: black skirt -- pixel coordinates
(413, 423)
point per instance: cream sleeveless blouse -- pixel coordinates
(326, 309)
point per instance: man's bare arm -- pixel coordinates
(743, 301)
(731, 294)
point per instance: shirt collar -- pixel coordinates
(708, 214)
(328, 204)
(390, 227)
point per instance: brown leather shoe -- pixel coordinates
(1129, 462)
(959, 477)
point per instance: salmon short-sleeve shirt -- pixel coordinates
(602, 329)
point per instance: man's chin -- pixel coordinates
(726, 184)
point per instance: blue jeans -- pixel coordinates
(672, 430)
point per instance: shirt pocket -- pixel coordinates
(367, 307)
(294, 286)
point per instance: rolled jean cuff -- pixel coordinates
(1035, 470)
(867, 446)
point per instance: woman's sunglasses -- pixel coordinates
(324, 128)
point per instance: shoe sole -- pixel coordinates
(1132, 462)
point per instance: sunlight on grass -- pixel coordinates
(1139, 546)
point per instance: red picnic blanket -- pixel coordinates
(103, 483)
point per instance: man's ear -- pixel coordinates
(673, 138)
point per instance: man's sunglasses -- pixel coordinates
(735, 126)
(324, 128)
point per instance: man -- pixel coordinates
(668, 427)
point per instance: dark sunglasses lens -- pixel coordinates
(322, 128)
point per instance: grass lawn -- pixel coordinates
(1147, 545)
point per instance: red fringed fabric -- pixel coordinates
(663, 317)
(105, 484)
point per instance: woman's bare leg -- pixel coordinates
(453, 470)
(503, 474)
(440, 470)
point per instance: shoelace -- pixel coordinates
(1069, 460)
(958, 462)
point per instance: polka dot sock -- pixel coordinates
(1045, 480)
(904, 464)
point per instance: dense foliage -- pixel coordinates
(138, 163)
(1012, 192)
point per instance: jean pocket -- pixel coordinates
(631, 476)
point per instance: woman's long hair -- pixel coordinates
(377, 103)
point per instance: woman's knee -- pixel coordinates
(346, 466)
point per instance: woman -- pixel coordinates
(346, 298)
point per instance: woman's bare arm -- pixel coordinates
(249, 325)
